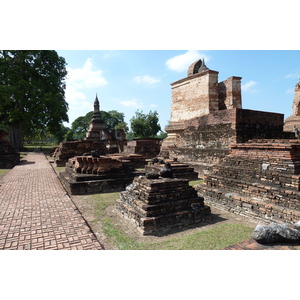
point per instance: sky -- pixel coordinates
(131, 80)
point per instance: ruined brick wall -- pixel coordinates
(229, 93)
(252, 124)
(205, 141)
(259, 179)
(194, 96)
(149, 148)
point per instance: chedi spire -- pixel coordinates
(96, 115)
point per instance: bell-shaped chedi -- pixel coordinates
(292, 123)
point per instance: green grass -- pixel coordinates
(214, 238)
(45, 148)
(3, 172)
(59, 169)
(193, 183)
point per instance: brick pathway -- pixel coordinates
(36, 213)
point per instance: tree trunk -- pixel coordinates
(15, 136)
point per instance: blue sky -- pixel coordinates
(140, 79)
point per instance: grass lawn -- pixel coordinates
(45, 148)
(215, 237)
(193, 183)
(3, 172)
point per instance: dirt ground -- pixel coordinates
(218, 217)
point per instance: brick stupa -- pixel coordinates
(156, 206)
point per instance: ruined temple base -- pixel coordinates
(259, 179)
(157, 206)
(105, 182)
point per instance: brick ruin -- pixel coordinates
(88, 175)
(98, 138)
(259, 179)
(157, 206)
(107, 142)
(149, 147)
(207, 117)
(8, 155)
(293, 121)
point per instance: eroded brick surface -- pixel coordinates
(36, 213)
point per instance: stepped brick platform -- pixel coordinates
(88, 175)
(156, 206)
(259, 179)
(180, 170)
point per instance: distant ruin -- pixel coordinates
(98, 138)
(293, 122)
(207, 117)
(8, 155)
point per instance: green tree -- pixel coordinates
(32, 92)
(81, 125)
(145, 125)
(60, 135)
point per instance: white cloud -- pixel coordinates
(147, 79)
(292, 75)
(86, 77)
(180, 63)
(289, 91)
(131, 103)
(248, 86)
(153, 106)
(79, 79)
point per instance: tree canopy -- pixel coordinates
(145, 125)
(32, 92)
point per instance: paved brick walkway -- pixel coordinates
(36, 213)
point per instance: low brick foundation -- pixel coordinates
(88, 175)
(259, 179)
